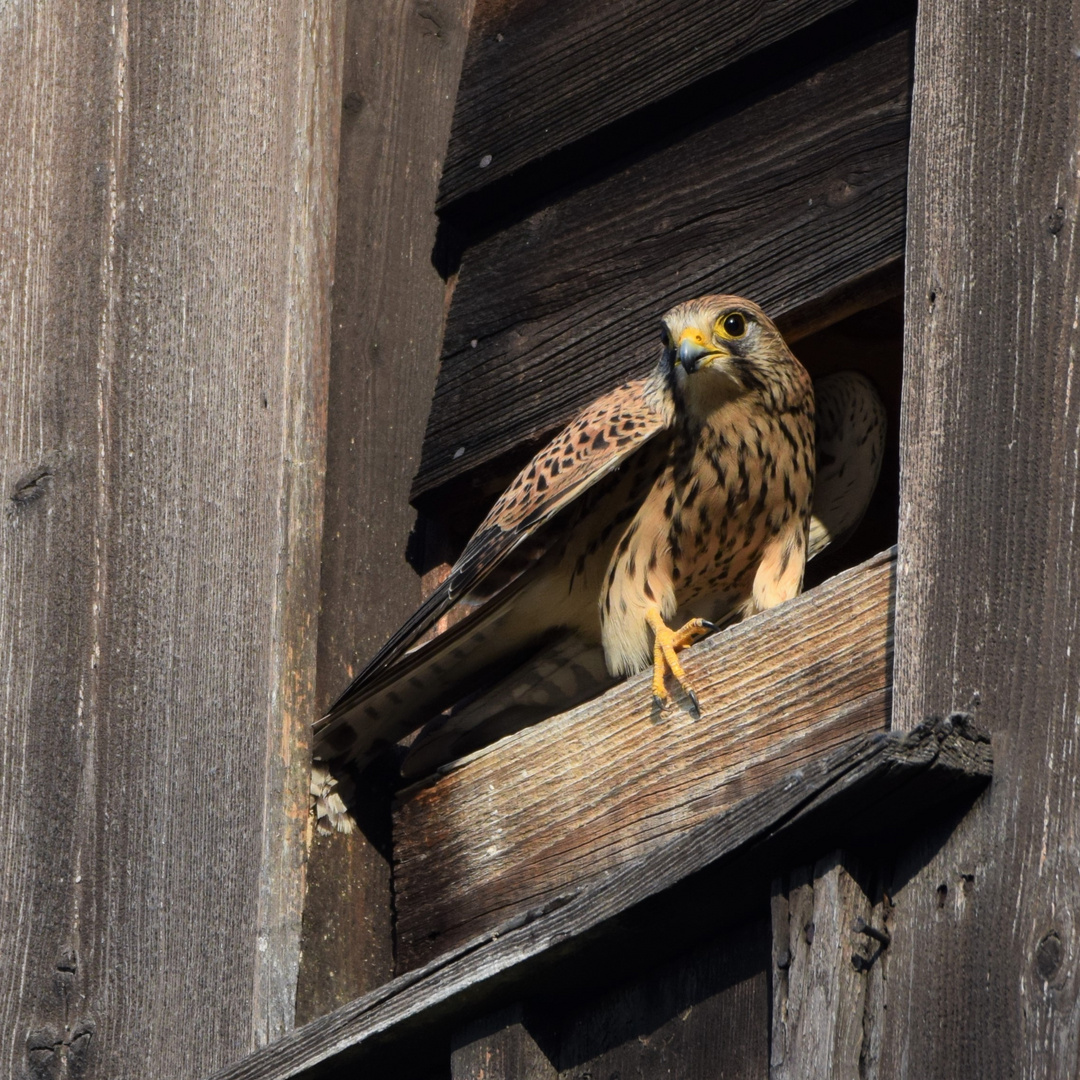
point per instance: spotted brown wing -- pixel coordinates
(588, 449)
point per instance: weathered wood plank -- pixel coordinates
(696, 880)
(499, 1047)
(51, 191)
(162, 417)
(702, 1015)
(554, 310)
(827, 973)
(557, 805)
(389, 307)
(540, 77)
(988, 617)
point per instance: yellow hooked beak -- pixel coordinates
(692, 348)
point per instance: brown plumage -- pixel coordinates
(670, 505)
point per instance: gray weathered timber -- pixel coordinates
(388, 311)
(827, 977)
(539, 77)
(988, 604)
(168, 208)
(559, 804)
(552, 311)
(499, 1047)
(730, 859)
(702, 1015)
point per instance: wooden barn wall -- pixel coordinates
(402, 62)
(983, 977)
(166, 236)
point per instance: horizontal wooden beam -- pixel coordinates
(786, 201)
(558, 804)
(691, 883)
(542, 77)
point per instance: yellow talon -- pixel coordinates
(668, 642)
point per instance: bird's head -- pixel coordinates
(719, 347)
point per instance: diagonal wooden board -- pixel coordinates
(678, 890)
(561, 803)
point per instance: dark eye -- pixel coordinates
(665, 336)
(735, 325)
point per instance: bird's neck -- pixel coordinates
(707, 407)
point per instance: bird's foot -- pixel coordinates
(692, 631)
(667, 643)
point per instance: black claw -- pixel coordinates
(710, 626)
(694, 701)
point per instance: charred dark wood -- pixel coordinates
(549, 88)
(786, 200)
(718, 870)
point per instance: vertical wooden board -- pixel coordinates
(401, 69)
(988, 604)
(499, 1047)
(704, 1016)
(59, 62)
(402, 62)
(826, 974)
(167, 263)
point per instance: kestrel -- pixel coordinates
(670, 506)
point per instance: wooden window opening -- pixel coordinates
(601, 213)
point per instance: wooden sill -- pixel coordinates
(557, 806)
(874, 785)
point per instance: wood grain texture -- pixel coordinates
(703, 1015)
(168, 205)
(542, 77)
(402, 62)
(700, 1015)
(551, 312)
(559, 804)
(695, 880)
(827, 975)
(988, 616)
(499, 1047)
